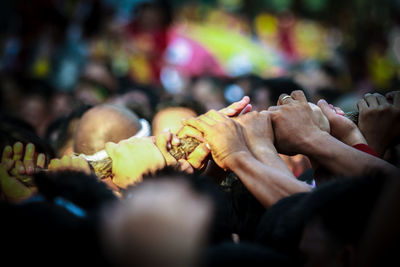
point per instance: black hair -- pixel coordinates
(13, 129)
(343, 205)
(57, 133)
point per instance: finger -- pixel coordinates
(362, 105)
(7, 153)
(6, 158)
(394, 97)
(326, 109)
(381, 99)
(198, 156)
(162, 141)
(66, 161)
(19, 167)
(207, 119)
(41, 161)
(215, 116)
(284, 99)
(190, 131)
(273, 108)
(54, 164)
(371, 100)
(339, 111)
(28, 158)
(236, 107)
(80, 164)
(299, 96)
(197, 124)
(84, 165)
(175, 141)
(247, 109)
(18, 149)
(184, 166)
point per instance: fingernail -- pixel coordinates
(208, 146)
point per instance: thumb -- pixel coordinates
(326, 109)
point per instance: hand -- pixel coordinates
(200, 155)
(70, 162)
(222, 134)
(342, 128)
(320, 118)
(15, 175)
(23, 161)
(379, 120)
(259, 133)
(133, 158)
(240, 107)
(166, 140)
(293, 123)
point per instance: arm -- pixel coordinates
(227, 141)
(266, 183)
(340, 158)
(297, 133)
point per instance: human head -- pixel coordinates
(338, 214)
(102, 124)
(161, 222)
(169, 115)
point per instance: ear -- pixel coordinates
(347, 256)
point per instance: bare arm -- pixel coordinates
(267, 183)
(297, 133)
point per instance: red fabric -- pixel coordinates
(367, 149)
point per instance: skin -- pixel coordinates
(267, 182)
(170, 119)
(341, 127)
(378, 120)
(297, 133)
(152, 152)
(19, 163)
(102, 124)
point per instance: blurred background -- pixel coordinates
(59, 55)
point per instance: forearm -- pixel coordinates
(266, 183)
(340, 158)
(269, 156)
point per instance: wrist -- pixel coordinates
(313, 145)
(233, 160)
(355, 137)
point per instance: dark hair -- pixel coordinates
(57, 133)
(185, 102)
(13, 129)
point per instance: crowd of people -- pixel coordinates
(114, 154)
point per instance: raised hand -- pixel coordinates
(16, 170)
(379, 119)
